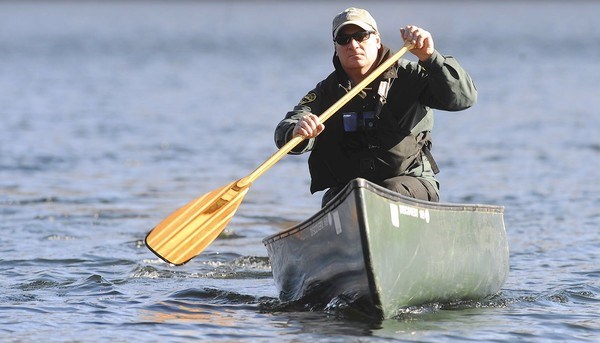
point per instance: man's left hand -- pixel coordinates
(421, 40)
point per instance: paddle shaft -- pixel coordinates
(291, 144)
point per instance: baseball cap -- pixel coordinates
(355, 16)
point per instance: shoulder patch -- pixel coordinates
(310, 97)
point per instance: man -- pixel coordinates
(384, 133)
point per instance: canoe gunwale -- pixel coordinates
(386, 193)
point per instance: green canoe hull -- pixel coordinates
(381, 252)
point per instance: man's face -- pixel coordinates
(356, 55)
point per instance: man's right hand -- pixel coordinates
(308, 126)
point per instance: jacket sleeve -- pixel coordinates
(450, 87)
(310, 103)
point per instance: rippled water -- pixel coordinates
(116, 113)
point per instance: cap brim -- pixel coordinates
(361, 24)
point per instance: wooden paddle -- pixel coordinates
(188, 231)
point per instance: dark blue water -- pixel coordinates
(114, 114)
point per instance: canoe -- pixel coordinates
(380, 252)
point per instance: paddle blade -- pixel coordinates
(188, 231)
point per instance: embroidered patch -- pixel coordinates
(310, 97)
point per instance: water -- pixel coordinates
(116, 113)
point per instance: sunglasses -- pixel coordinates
(359, 36)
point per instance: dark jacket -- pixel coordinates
(377, 142)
